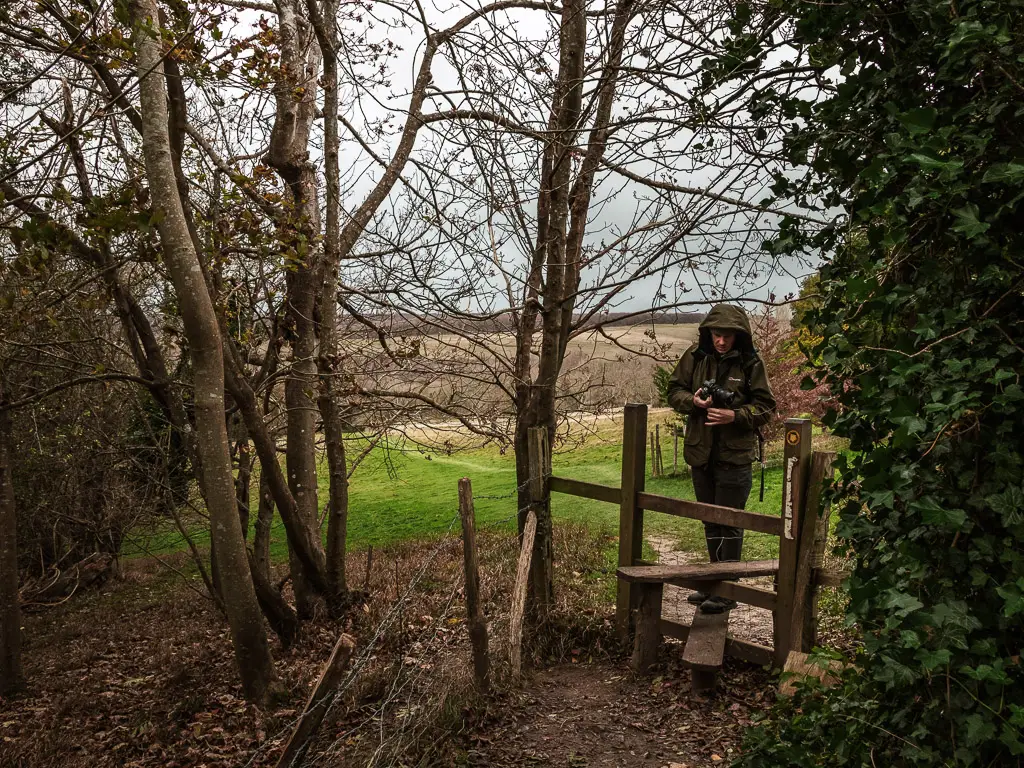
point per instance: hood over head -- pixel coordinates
(727, 317)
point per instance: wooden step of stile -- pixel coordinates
(705, 648)
(705, 643)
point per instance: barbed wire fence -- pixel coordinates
(411, 670)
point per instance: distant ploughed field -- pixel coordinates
(602, 369)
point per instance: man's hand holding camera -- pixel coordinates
(715, 395)
(715, 416)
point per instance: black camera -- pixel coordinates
(717, 394)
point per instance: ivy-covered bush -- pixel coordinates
(921, 144)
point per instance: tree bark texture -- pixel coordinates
(554, 280)
(261, 533)
(552, 216)
(11, 678)
(252, 652)
(329, 359)
(295, 96)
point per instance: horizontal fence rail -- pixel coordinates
(652, 502)
(711, 513)
(586, 490)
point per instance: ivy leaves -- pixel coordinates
(920, 326)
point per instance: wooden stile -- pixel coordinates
(585, 490)
(660, 574)
(474, 614)
(708, 578)
(631, 515)
(705, 648)
(827, 578)
(745, 650)
(799, 569)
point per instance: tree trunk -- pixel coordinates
(329, 359)
(11, 679)
(252, 652)
(243, 481)
(561, 225)
(281, 616)
(303, 540)
(264, 519)
(552, 216)
(295, 95)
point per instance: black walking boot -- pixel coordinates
(717, 604)
(696, 598)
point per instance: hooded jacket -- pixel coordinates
(739, 370)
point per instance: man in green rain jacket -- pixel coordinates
(722, 442)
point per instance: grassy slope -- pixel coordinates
(404, 495)
(400, 494)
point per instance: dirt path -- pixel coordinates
(593, 715)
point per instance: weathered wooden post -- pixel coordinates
(519, 595)
(654, 457)
(474, 614)
(657, 450)
(648, 634)
(631, 516)
(795, 470)
(810, 550)
(317, 704)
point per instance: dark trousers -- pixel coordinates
(726, 486)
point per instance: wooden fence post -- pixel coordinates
(810, 548)
(654, 457)
(474, 614)
(542, 564)
(795, 470)
(631, 516)
(657, 450)
(519, 595)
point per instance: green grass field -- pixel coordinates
(402, 493)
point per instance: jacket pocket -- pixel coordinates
(738, 444)
(694, 428)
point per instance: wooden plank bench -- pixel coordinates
(707, 635)
(667, 574)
